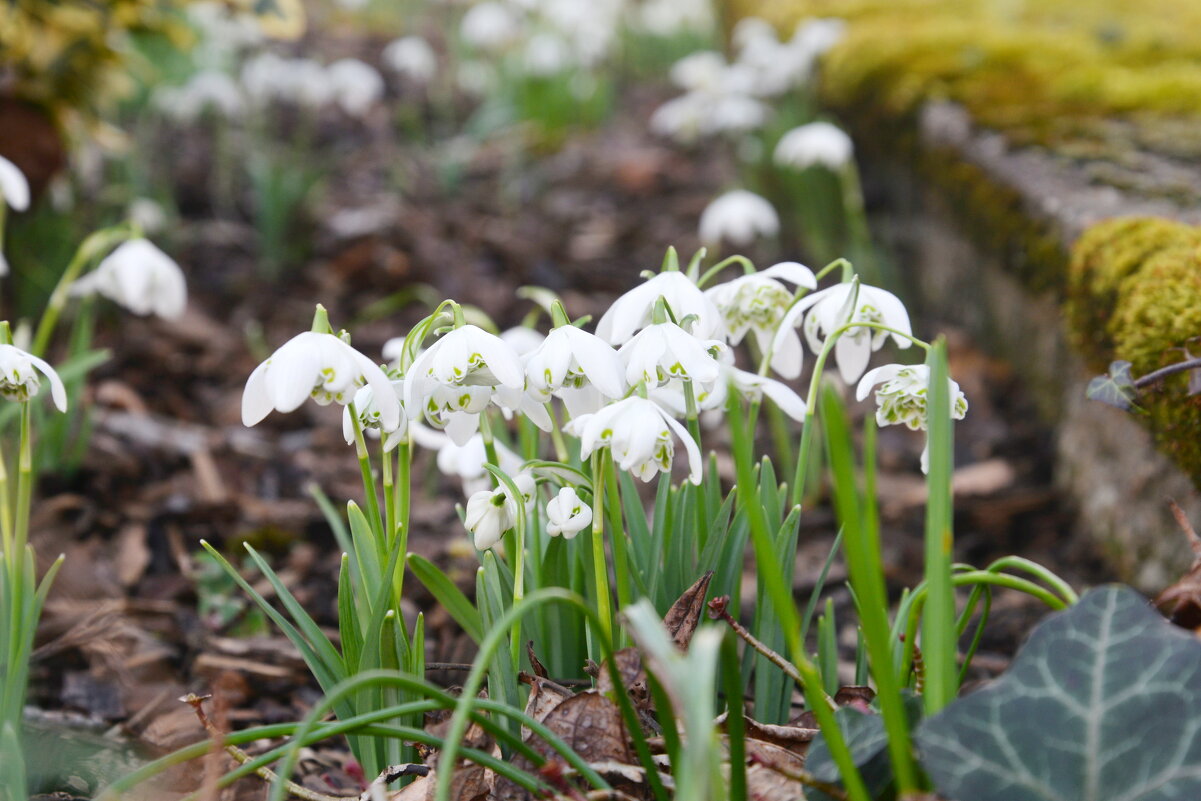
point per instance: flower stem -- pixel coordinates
(88, 249)
(600, 567)
(403, 490)
(369, 493)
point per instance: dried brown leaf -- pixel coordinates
(685, 614)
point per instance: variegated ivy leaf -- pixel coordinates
(1102, 704)
(1115, 388)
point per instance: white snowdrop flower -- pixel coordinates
(411, 57)
(490, 513)
(736, 113)
(14, 189)
(570, 358)
(638, 432)
(371, 417)
(322, 367)
(752, 32)
(522, 340)
(757, 303)
(19, 380)
(902, 398)
(816, 36)
(355, 85)
(566, 514)
(635, 308)
(489, 26)
(266, 77)
(140, 277)
(830, 309)
(147, 215)
(465, 462)
(818, 143)
(545, 55)
(738, 217)
(663, 351)
(458, 375)
(752, 386)
(681, 118)
(700, 70)
(209, 90)
(668, 17)
(306, 83)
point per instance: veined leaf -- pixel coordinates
(1100, 705)
(1115, 388)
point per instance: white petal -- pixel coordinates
(501, 359)
(782, 395)
(256, 402)
(58, 393)
(852, 355)
(788, 356)
(599, 362)
(461, 427)
(690, 447)
(878, 375)
(792, 272)
(13, 186)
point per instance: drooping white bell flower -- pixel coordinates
(209, 90)
(465, 462)
(566, 514)
(489, 26)
(140, 277)
(818, 143)
(490, 513)
(14, 189)
(757, 303)
(711, 397)
(569, 358)
(371, 418)
(411, 57)
(355, 85)
(546, 55)
(700, 70)
(635, 308)
(830, 309)
(663, 351)
(902, 398)
(523, 340)
(458, 375)
(19, 380)
(738, 217)
(639, 434)
(322, 367)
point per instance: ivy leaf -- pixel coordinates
(1101, 704)
(865, 734)
(1115, 388)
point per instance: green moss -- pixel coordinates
(1050, 72)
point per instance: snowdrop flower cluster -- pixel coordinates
(815, 144)
(738, 217)
(663, 354)
(206, 91)
(731, 97)
(19, 379)
(141, 278)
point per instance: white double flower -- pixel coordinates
(456, 378)
(832, 308)
(639, 434)
(757, 303)
(903, 398)
(569, 359)
(664, 351)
